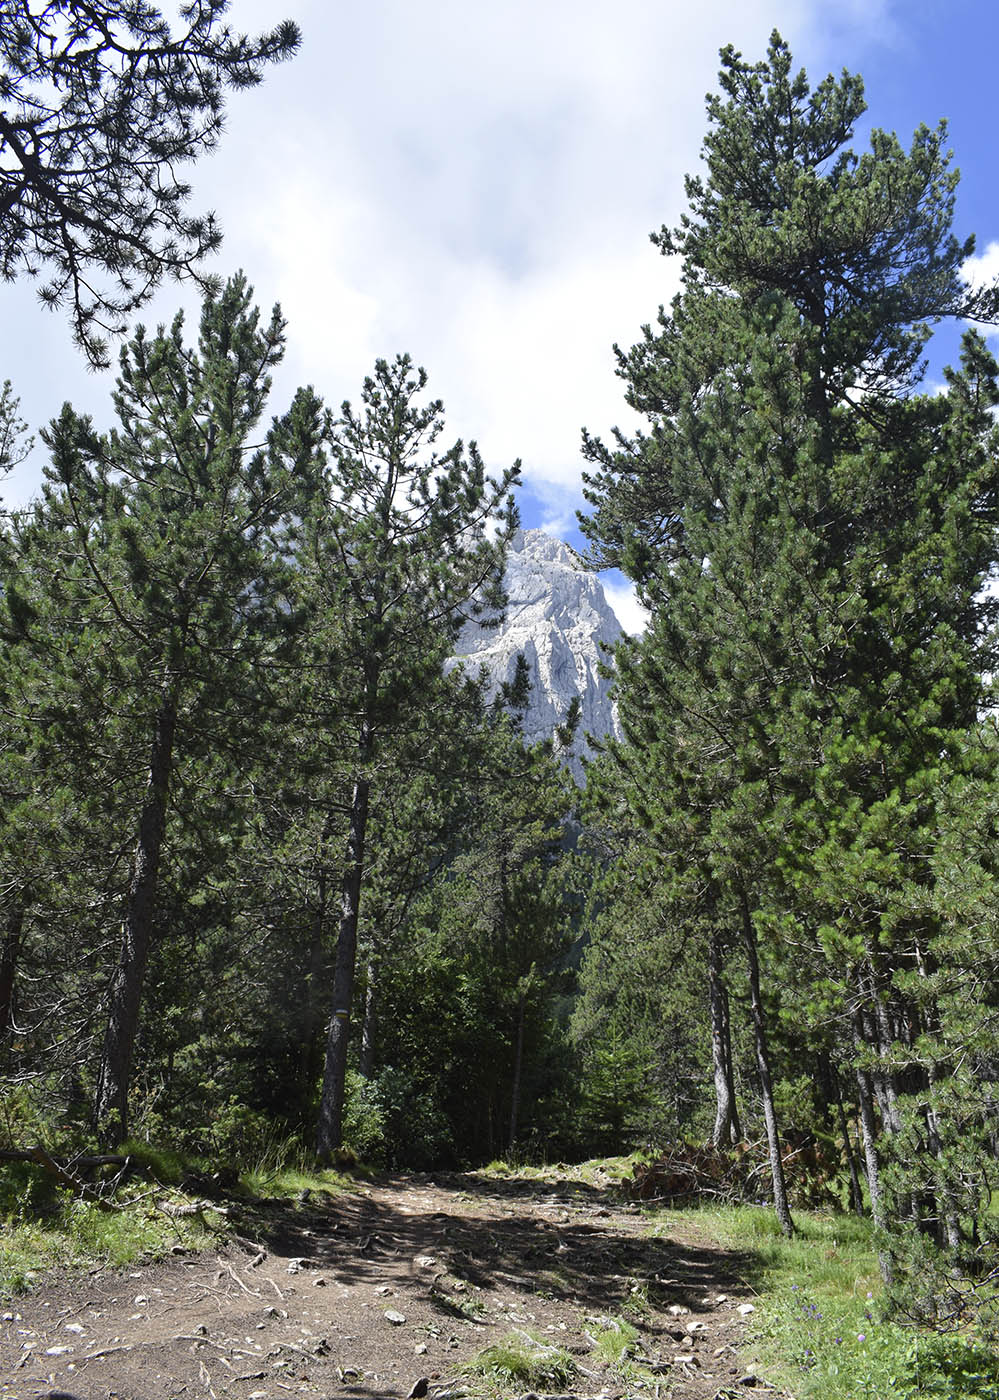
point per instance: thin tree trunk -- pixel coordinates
(856, 1195)
(329, 1131)
(726, 1129)
(10, 951)
(881, 1036)
(518, 1064)
(950, 1226)
(111, 1093)
(366, 1059)
(730, 1066)
(869, 1138)
(314, 986)
(781, 1207)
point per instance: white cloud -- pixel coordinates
(474, 184)
(630, 613)
(983, 269)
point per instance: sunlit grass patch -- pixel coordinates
(833, 1347)
(597, 1171)
(286, 1167)
(76, 1235)
(612, 1338)
(819, 1324)
(291, 1181)
(523, 1360)
(152, 1203)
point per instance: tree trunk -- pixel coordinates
(111, 1093)
(366, 1059)
(869, 1138)
(736, 1135)
(949, 1228)
(10, 951)
(883, 1034)
(763, 1067)
(315, 984)
(874, 1025)
(518, 1064)
(329, 1131)
(727, 1129)
(856, 1195)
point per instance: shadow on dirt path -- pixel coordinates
(394, 1288)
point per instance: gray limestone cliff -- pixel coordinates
(559, 618)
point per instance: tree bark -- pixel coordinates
(885, 1080)
(313, 993)
(10, 951)
(366, 1058)
(949, 1228)
(518, 1063)
(111, 1093)
(869, 1138)
(726, 1129)
(781, 1207)
(329, 1130)
(856, 1195)
(736, 1133)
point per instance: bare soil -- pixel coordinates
(390, 1291)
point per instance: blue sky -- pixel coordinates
(475, 184)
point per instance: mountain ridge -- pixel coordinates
(558, 616)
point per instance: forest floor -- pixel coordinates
(392, 1289)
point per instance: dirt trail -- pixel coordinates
(391, 1290)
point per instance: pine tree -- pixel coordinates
(395, 553)
(483, 961)
(171, 529)
(102, 103)
(61, 823)
(812, 537)
(15, 441)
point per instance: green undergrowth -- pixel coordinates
(820, 1328)
(617, 1343)
(71, 1234)
(522, 1360)
(614, 1339)
(293, 1179)
(165, 1202)
(599, 1171)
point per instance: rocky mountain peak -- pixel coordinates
(559, 617)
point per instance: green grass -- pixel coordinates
(76, 1235)
(819, 1325)
(44, 1227)
(614, 1340)
(591, 1173)
(291, 1181)
(522, 1360)
(286, 1167)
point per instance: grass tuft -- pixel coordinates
(523, 1360)
(292, 1180)
(614, 1340)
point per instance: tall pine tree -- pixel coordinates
(397, 550)
(812, 537)
(171, 537)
